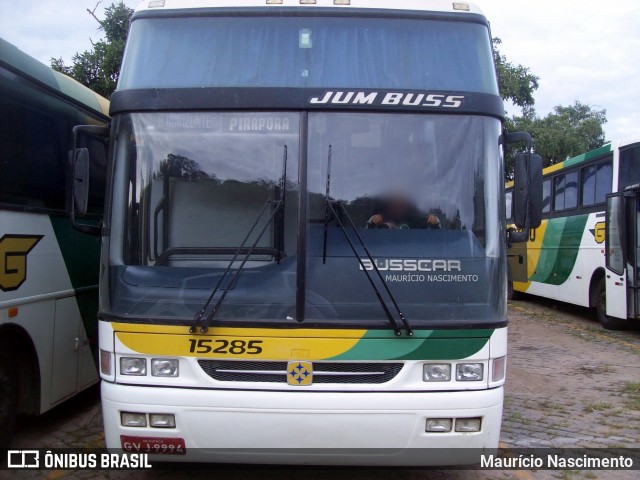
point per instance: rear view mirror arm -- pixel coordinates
(82, 178)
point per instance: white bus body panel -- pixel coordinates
(616, 295)
(419, 5)
(211, 421)
(48, 311)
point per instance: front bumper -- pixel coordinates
(335, 428)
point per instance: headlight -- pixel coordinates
(436, 372)
(439, 425)
(162, 420)
(133, 366)
(469, 372)
(164, 367)
(130, 419)
(468, 424)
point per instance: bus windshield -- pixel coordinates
(308, 52)
(422, 190)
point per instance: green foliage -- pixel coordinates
(99, 67)
(516, 82)
(566, 132)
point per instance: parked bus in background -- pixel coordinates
(304, 247)
(48, 271)
(586, 250)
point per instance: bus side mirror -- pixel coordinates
(89, 143)
(80, 182)
(527, 191)
(527, 188)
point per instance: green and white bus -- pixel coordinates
(48, 271)
(586, 250)
(304, 247)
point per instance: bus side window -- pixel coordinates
(566, 191)
(596, 183)
(629, 167)
(33, 150)
(546, 196)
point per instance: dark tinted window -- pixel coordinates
(629, 167)
(596, 183)
(35, 140)
(220, 168)
(306, 52)
(546, 196)
(566, 191)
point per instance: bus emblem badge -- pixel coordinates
(13, 259)
(299, 373)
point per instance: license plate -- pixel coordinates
(155, 445)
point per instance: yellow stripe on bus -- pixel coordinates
(103, 102)
(237, 346)
(553, 168)
(242, 332)
(534, 249)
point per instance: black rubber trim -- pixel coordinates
(303, 390)
(268, 98)
(314, 11)
(301, 264)
(278, 325)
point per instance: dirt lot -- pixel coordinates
(569, 384)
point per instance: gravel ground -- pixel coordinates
(569, 384)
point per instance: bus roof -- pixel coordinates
(26, 66)
(418, 5)
(584, 157)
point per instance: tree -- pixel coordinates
(99, 67)
(565, 132)
(516, 83)
(177, 166)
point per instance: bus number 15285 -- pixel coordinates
(225, 347)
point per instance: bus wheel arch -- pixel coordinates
(610, 323)
(596, 278)
(20, 374)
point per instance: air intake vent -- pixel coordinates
(323, 372)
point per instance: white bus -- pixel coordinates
(304, 248)
(585, 252)
(48, 271)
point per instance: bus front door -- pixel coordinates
(616, 256)
(632, 220)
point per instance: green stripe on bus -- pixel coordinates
(587, 156)
(560, 249)
(549, 250)
(81, 254)
(436, 347)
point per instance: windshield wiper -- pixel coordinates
(330, 207)
(275, 206)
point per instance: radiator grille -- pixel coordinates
(323, 372)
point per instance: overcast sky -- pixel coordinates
(583, 50)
